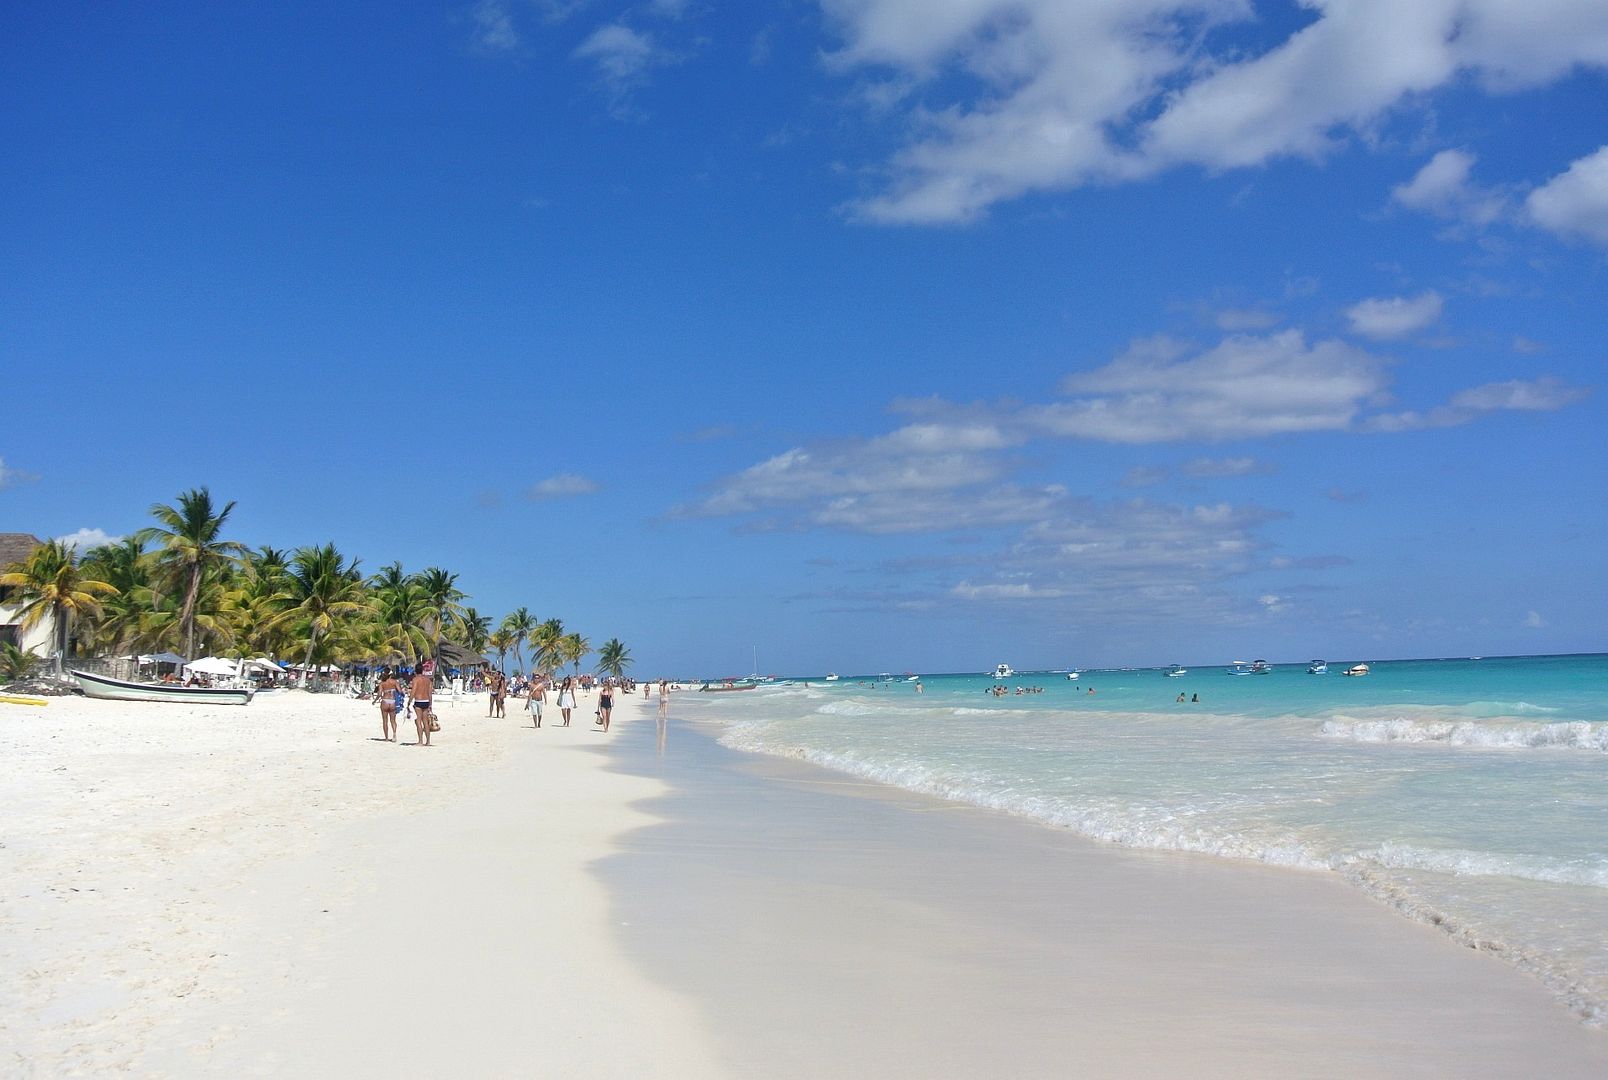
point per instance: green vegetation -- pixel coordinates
(182, 586)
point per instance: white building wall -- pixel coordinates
(40, 640)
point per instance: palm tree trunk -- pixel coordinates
(187, 617)
(61, 640)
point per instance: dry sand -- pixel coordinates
(268, 890)
(217, 891)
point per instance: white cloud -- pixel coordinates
(84, 539)
(494, 26)
(564, 485)
(1234, 466)
(1575, 202)
(1546, 394)
(623, 56)
(1389, 317)
(1443, 188)
(1078, 93)
(1246, 386)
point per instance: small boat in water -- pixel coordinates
(1176, 672)
(1356, 669)
(1261, 667)
(1003, 671)
(1073, 675)
(831, 676)
(1239, 667)
(109, 689)
(726, 687)
(1318, 667)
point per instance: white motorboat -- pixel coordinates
(1074, 675)
(1003, 671)
(109, 689)
(1318, 667)
(1261, 667)
(1239, 667)
(1356, 669)
(1176, 672)
(831, 676)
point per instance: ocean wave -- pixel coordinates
(1520, 735)
(1553, 871)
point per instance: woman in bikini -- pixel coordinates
(605, 704)
(389, 691)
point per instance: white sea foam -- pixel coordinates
(1591, 872)
(1519, 735)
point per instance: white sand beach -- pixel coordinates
(268, 890)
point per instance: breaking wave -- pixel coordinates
(1518, 735)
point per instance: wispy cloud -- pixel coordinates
(10, 477)
(623, 57)
(1546, 394)
(1233, 466)
(492, 26)
(562, 486)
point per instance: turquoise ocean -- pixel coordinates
(1471, 794)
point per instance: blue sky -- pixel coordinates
(872, 334)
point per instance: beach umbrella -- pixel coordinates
(213, 665)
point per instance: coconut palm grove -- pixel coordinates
(183, 585)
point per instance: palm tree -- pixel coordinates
(545, 652)
(519, 622)
(472, 630)
(326, 591)
(502, 641)
(442, 590)
(49, 582)
(614, 657)
(188, 535)
(403, 610)
(573, 647)
(126, 566)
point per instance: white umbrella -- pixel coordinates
(213, 665)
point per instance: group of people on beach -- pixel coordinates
(415, 698)
(416, 701)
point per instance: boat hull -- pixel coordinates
(108, 689)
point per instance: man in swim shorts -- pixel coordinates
(422, 690)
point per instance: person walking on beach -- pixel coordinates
(664, 700)
(566, 699)
(535, 698)
(605, 704)
(422, 690)
(389, 689)
(494, 690)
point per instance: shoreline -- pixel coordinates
(880, 902)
